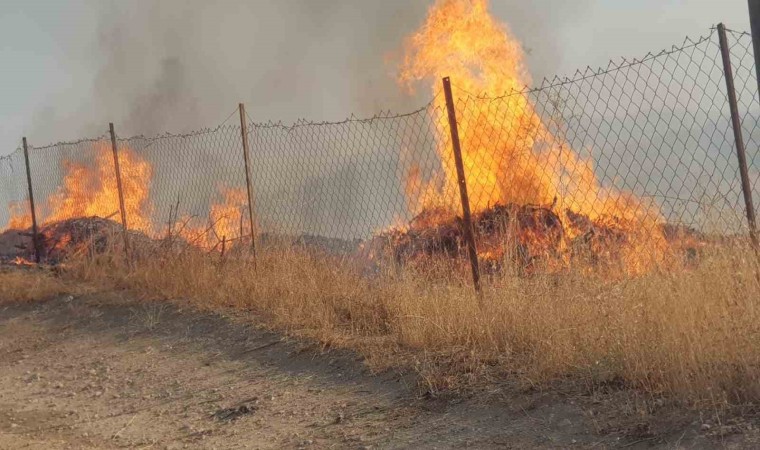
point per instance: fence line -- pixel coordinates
(636, 158)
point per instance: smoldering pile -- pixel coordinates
(59, 241)
(526, 236)
(68, 238)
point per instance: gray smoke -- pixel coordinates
(180, 65)
(540, 25)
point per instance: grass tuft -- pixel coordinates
(20, 285)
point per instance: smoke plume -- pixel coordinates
(180, 65)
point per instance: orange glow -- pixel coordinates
(510, 156)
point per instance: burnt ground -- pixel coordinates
(105, 371)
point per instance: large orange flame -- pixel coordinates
(510, 156)
(88, 192)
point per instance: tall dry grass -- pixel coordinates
(25, 286)
(692, 335)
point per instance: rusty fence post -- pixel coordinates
(122, 209)
(35, 233)
(738, 138)
(469, 234)
(754, 22)
(246, 159)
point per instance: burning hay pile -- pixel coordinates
(69, 238)
(74, 237)
(532, 237)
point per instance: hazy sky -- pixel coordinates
(70, 67)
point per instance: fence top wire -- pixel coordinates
(734, 32)
(69, 143)
(164, 136)
(10, 156)
(191, 134)
(302, 123)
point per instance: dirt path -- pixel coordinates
(104, 372)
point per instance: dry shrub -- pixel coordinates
(691, 335)
(29, 285)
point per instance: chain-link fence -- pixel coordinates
(13, 189)
(624, 166)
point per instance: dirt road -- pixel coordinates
(107, 372)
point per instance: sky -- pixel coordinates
(70, 67)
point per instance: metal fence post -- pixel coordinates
(246, 158)
(754, 22)
(122, 209)
(35, 234)
(739, 139)
(469, 234)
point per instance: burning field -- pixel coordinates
(588, 284)
(537, 203)
(84, 212)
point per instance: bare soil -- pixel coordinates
(105, 371)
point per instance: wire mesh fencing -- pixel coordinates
(191, 184)
(13, 191)
(626, 167)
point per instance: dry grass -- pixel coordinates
(691, 336)
(29, 285)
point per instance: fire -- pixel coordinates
(531, 194)
(21, 217)
(19, 261)
(510, 156)
(227, 220)
(89, 192)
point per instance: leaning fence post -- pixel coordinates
(469, 234)
(122, 209)
(246, 158)
(35, 234)
(754, 22)
(738, 138)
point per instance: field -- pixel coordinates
(564, 263)
(547, 361)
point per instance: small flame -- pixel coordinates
(21, 217)
(227, 220)
(19, 261)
